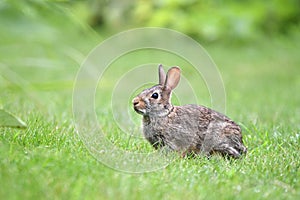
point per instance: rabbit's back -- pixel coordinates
(192, 128)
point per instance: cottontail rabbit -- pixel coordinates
(186, 129)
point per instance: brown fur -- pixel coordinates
(186, 129)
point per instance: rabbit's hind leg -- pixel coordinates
(223, 148)
(227, 150)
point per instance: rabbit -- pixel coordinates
(188, 129)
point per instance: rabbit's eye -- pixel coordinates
(154, 95)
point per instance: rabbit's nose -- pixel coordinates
(135, 101)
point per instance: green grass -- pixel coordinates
(48, 160)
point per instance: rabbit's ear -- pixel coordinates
(161, 75)
(173, 77)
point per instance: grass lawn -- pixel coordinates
(39, 60)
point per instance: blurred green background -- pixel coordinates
(207, 21)
(43, 43)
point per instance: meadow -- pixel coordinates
(39, 61)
